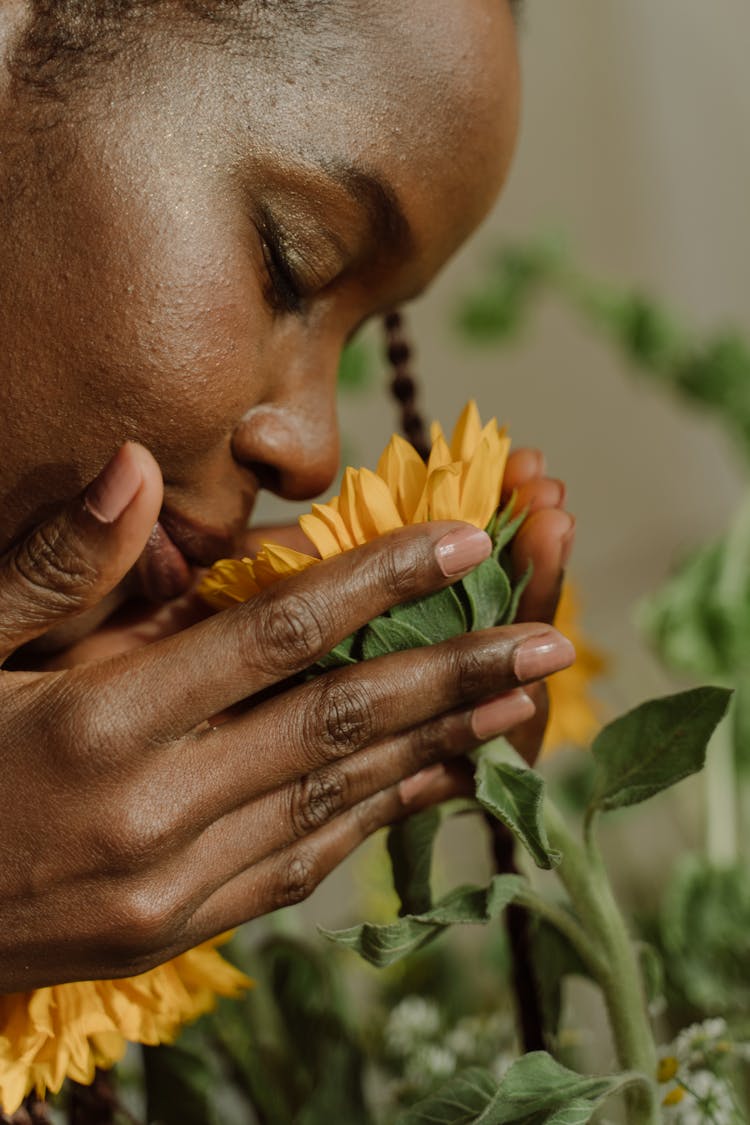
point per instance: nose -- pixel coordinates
(290, 440)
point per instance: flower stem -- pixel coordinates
(615, 965)
(721, 798)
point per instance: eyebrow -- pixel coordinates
(388, 224)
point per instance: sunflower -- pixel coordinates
(462, 480)
(68, 1030)
(575, 716)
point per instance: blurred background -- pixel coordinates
(634, 157)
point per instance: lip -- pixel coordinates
(176, 547)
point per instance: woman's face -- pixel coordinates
(192, 233)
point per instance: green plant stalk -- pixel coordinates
(616, 967)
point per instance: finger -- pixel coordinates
(526, 738)
(68, 564)
(523, 466)
(544, 492)
(345, 712)
(267, 824)
(291, 875)
(545, 540)
(285, 629)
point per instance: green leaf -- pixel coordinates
(536, 1090)
(655, 746)
(384, 635)
(410, 848)
(459, 1101)
(488, 593)
(515, 796)
(383, 945)
(438, 616)
(705, 937)
(340, 656)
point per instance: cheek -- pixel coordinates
(129, 321)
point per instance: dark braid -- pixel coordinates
(404, 386)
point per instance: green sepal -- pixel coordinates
(386, 634)
(487, 592)
(438, 617)
(383, 945)
(654, 746)
(515, 795)
(340, 656)
(515, 600)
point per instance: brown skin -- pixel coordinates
(136, 304)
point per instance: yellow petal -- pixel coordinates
(405, 473)
(480, 486)
(349, 508)
(327, 530)
(378, 510)
(441, 499)
(228, 582)
(66, 1031)
(466, 433)
(275, 562)
(440, 454)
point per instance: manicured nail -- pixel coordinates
(108, 496)
(412, 786)
(460, 550)
(566, 544)
(542, 655)
(495, 716)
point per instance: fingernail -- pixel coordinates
(561, 493)
(109, 494)
(412, 786)
(542, 655)
(495, 716)
(566, 543)
(461, 550)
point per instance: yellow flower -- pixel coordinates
(674, 1097)
(461, 481)
(667, 1069)
(575, 716)
(68, 1030)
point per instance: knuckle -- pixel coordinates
(51, 562)
(294, 629)
(469, 670)
(316, 799)
(129, 835)
(142, 920)
(398, 571)
(298, 877)
(344, 718)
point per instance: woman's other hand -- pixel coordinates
(134, 827)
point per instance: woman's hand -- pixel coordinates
(133, 827)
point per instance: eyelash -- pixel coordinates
(284, 292)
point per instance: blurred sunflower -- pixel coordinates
(575, 715)
(461, 481)
(68, 1030)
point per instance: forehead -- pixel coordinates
(425, 94)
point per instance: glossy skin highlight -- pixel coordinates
(188, 238)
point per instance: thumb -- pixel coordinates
(73, 560)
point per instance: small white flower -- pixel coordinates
(412, 1022)
(696, 1041)
(429, 1064)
